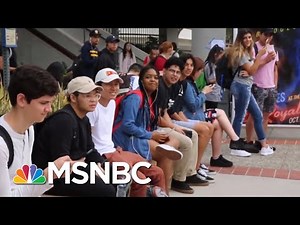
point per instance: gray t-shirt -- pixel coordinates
(244, 80)
(210, 76)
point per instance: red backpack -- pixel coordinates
(119, 100)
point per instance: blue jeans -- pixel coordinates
(244, 100)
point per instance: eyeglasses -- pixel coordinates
(177, 72)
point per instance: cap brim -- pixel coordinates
(111, 78)
(89, 88)
(113, 41)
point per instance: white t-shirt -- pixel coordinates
(102, 119)
(22, 156)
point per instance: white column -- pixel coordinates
(172, 34)
(201, 38)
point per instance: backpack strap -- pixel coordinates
(75, 128)
(118, 106)
(6, 137)
(255, 49)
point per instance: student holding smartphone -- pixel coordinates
(215, 96)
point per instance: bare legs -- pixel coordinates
(205, 131)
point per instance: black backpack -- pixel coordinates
(224, 73)
(75, 68)
(6, 137)
(255, 49)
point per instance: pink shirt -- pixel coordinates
(264, 76)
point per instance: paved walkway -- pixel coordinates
(273, 175)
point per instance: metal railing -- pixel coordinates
(142, 38)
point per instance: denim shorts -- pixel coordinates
(210, 115)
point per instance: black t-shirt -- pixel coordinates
(163, 95)
(55, 139)
(176, 97)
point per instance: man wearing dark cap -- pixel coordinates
(109, 55)
(95, 33)
(89, 56)
(112, 39)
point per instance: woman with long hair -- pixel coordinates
(241, 56)
(138, 131)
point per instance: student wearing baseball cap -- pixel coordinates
(102, 127)
(68, 132)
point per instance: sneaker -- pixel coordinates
(169, 151)
(207, 170)
(252, 147)
(239, 144)
(203, 176)
(181, 186)
(258, 147)
(266, 151)
(241, 153)
(194, 180)
(220, 162)
(155, 191)
(241, 148)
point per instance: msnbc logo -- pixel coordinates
(29, 175)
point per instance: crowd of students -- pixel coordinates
(167, 121)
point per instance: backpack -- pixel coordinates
(255, 49)
(224, 73)
(6, 137)
(119, 100)
(75, 67)
(201, 82)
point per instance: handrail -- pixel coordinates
(52, 43)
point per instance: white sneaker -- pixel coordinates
(206, 170)
(241, 153)
(266, 151)
(203, 176)
(169, 151)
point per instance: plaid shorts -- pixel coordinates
(210, 115)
